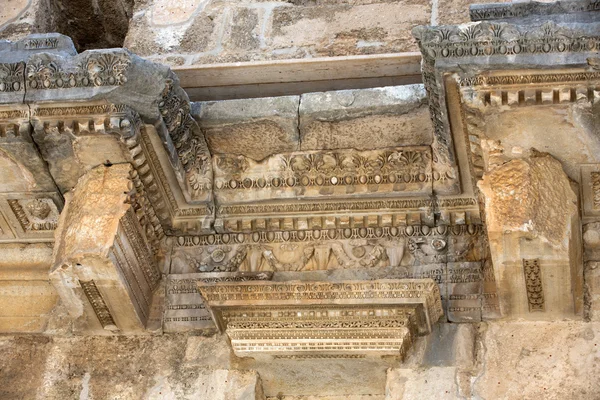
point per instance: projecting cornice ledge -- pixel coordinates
(105, 92)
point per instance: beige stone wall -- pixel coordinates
(499, 360)
(189, 32)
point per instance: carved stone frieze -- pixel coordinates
(481, 12)
(353, 317)
(327, 249)
(345, 213)
(70, 83)
(94, 69)
(402, 171)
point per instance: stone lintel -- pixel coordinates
(295, 317)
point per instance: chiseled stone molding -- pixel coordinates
(184, 309)
(300, 318)
(462, 53)
(481, 12)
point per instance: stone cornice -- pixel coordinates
(119, 77)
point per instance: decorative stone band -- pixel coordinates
(316, 318)
(326, 234)
(408, 292)
(481, 12)
(528, 88)
(315, 174)
(346, 213)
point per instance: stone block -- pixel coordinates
(160, 27)
(217, 384)
(26, 295)
(534, 235)
(104, 265)
(255, 128)
(422, 384)
(244, 32)
(19, 18)
(365, 119)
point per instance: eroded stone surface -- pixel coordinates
(533, 228)
(365, 119)
(104, 265)
(255, 128)
(199, 32)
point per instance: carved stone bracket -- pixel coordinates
(304, 318)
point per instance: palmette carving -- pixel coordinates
(95, 70)
(317, 173)
(12, 77)
(533, 285)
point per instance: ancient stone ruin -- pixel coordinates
(305, 199)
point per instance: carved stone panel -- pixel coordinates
(401, 171)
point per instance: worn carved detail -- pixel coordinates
(533, 284)
(184, 308)
(191, 148)
(98, 304)
(12, 77)
(529, 79)
(487, 39)
(595, 190)
(97, 69)
(45, 43)
(481, 12)
(305, 318)
(35, 214)
(322, 169)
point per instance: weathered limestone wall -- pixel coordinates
(223, 31)
(517, 360)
